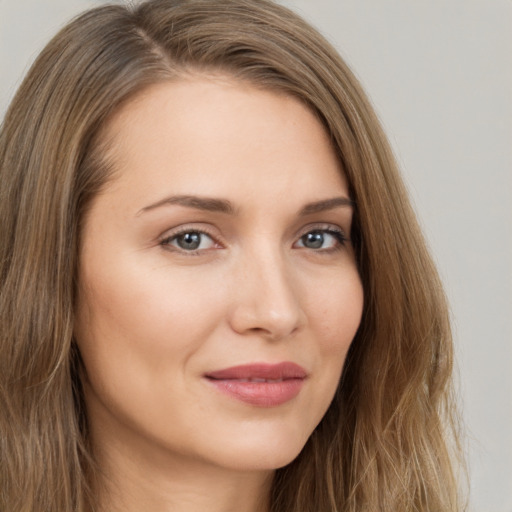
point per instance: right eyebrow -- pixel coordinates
(209, 204)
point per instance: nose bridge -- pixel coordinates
(267, 299)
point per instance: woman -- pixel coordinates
(214, 291)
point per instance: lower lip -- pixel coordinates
(261, 394)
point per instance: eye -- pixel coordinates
(190, 241)
(322, 239)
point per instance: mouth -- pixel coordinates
(261, 384)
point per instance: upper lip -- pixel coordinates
(279, 371)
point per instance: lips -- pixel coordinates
(263, 385)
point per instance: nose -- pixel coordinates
(266, 300)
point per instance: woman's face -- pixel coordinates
(219, 292)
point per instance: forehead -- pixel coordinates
(213, 132)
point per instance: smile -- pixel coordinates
(261, 385)
(255, 379)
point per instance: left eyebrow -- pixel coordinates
(326, 204)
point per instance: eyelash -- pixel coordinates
(337, 233)
(166, 242)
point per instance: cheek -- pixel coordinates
(338, 319)
(151, 305)
(139, 323)
(137, 337)
(335, 315)
(337, 311)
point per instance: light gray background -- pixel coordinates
(440, 76)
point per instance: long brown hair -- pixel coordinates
(386, 442)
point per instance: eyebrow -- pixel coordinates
(326, 204)
(211, 204)
(198, 203)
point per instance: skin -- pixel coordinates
(154, 317)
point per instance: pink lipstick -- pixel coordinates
(260, 384)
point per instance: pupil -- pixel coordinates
(189, 241)
(314, 240)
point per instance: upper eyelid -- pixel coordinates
(320, 226)
(323, 226)
(179, 233)
(174, 232)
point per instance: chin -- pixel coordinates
(260, 460)
(261, 452)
